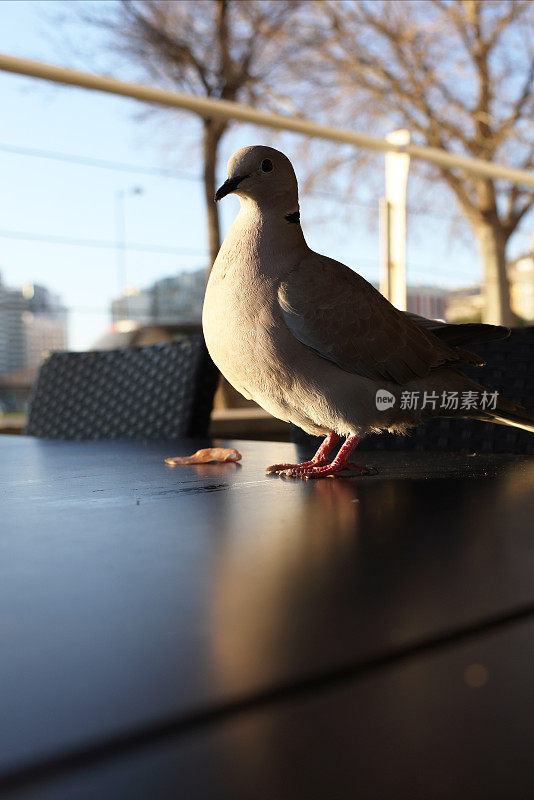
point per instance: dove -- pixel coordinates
(315, 344)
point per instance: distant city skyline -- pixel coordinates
(170, 300)
(33, 322)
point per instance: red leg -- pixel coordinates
(319, 459)
(341, 462)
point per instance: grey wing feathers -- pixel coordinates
(334, 311)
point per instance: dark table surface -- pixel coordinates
(214, 632)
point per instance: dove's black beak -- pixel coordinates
(229, 186)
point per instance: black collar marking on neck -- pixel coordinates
(294, 217)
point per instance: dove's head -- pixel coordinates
(262, 174)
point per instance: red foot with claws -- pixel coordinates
(319, 459)
(319, 467)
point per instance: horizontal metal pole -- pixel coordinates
(209, 107)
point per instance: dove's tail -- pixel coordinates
(508, 413)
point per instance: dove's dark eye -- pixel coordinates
(266, 165)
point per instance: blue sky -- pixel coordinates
(51, 198)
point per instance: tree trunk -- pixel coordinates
(492, 246)
(212, 136)
(226, 396)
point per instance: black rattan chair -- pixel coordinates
(158, 391)
(509, 370)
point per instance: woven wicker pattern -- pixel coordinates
(509, 370)
(158, 391)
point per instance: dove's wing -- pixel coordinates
(333, 310)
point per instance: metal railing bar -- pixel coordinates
(209, 107)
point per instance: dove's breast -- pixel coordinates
(249, 342)
(238, 320)
(252, 346)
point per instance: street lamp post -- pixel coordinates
(120, 229)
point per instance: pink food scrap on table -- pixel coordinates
(206, 456)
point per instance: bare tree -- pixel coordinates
(224, 49)
(460, 75)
